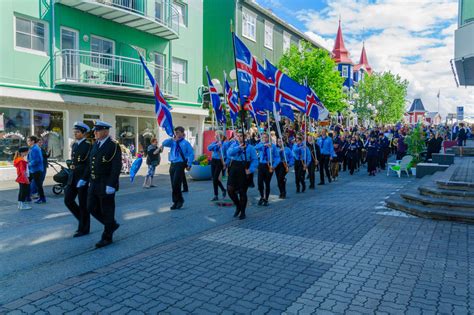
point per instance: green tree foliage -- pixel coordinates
(387, 92)
(318, 68)
(416, 143)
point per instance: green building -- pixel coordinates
(264, 33)
(69, 60)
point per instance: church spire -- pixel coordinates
(364, 61)
(339, 53)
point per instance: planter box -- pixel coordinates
(198, 172)
(443, 159)
(423, 169)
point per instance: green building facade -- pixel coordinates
(69, 60)
(264, 33)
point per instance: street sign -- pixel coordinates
(460, 113)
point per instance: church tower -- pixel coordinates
(363, 68)
(340, 55)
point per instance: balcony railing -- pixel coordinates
(160, 19)
(112, 72)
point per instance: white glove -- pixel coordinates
(109, 190)
(81, 183)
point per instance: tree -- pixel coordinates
(318, 68)
(385, 91)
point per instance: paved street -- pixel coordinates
(333, 250)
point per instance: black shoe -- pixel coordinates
(283, 196)
(265, 203)
(298, 191)
(242, 216)
(179, 205)
(224, 193)
(304, 188)
(79, 234)
(186, 190)
(103, 243)
(311, 187)
(260, 202)
(173, 207)
(215, 198)
(236, 213)
(321, 183)
(330, 180)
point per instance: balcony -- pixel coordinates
(112, 72)
(161, 20)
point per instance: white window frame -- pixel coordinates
(247, 18)
(183, 79)
(30, 50)
(286, 40)
(269, 29)
(61, 29)
(99, 65)
(345, 71)
(185, 16)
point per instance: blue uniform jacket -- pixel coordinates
(235, 153)
(290, 159)
(299, 155)
(186, 148)
(326, 145)
(217, 150)
(35, 159)
(264, 154)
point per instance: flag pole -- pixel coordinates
(277, 121)
(242, 112)
(269, 138)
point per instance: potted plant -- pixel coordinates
(200, 170)
(416, 145)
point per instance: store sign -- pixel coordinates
(14, 135)
(460, 113)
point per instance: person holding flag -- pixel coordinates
(243, 163)
(302, 160)
(326, 146)
(218, 164)
(286, 161)
(269, 158)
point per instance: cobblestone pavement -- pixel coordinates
(335, 250)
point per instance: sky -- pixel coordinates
(412, 38)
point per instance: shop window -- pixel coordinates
(15, 127)
(147, 130)
(89, 120)
(126, 128)
(49, 126)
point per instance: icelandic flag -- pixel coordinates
(283, 110)
(252, 81)
(162, 108)
(231, 100)
(215, 100)
(286, 90)
(314, 107)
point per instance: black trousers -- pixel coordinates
(280, 173)
(216, 169)
(177, 176)
(264, 179)
(38, 178)
(352, 163)
(24, 192)
(79, 211)
(299, 175)
(311, 173)
(324, 167)
(371, 163)
(102, 207)
(238, 184)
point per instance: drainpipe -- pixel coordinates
(53, 45)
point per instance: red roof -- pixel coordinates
(339, 53)
(364, 61)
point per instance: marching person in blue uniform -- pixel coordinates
(327, 152)
(218, 164)
(78, 165)
(372, 148)
(181, 157)
(243, 163)
(302, 157)
(286, 161)
(102, 173)
(268, 158)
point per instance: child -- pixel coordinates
(21, 165)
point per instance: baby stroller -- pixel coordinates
(61, 177)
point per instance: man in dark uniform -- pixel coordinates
(315, 156)
(103, 172)
(79, 162)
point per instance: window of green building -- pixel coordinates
(180, 66)
(182, 11)
(30, 35)
(466, 11)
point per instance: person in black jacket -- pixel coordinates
(78, 164)
(372, 148)
(352, 155)
(103, 172)
(153, 159)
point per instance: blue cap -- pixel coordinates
(101, 125)
(82, 127)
